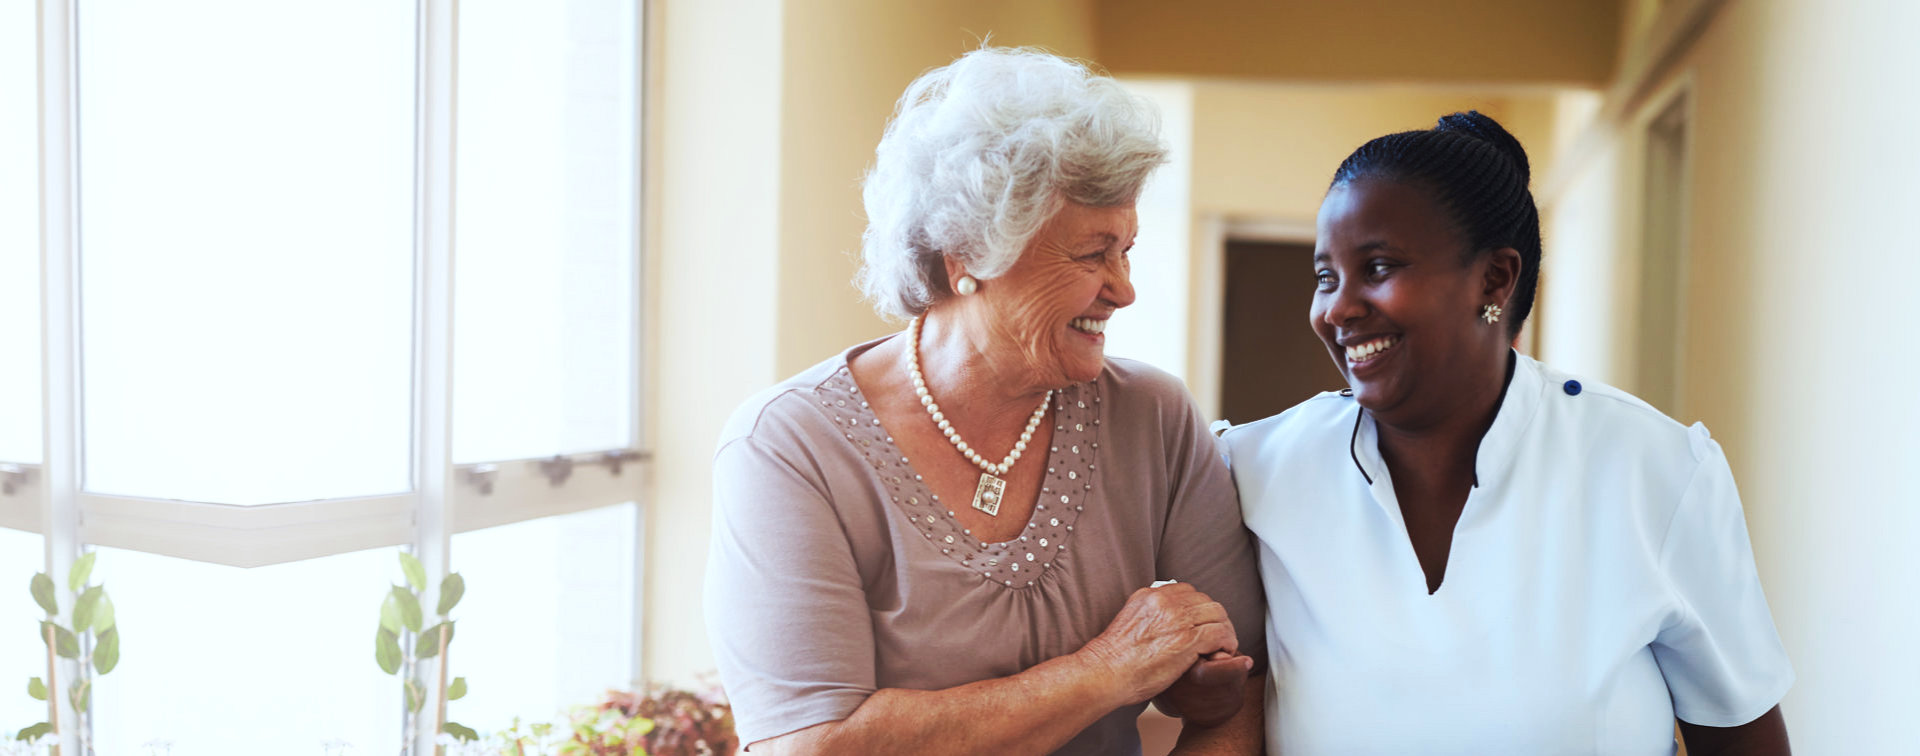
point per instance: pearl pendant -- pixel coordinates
(986, 496)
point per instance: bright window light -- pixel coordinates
(548, 618)
(222, 661)
(544, 229)
(20, 657)
(19, 234)
(246, 247)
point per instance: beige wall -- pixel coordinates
(1568, 42)
(1268, 150)
(1796, 295)
(712, 284)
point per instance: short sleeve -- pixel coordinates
(785, 609)
(1720, 653)
(1205, 543)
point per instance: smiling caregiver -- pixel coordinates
(1469, 552)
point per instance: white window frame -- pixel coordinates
(446, 499)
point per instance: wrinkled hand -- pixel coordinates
(1158, 635)
(1210, 692)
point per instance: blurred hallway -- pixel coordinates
(1709, 171)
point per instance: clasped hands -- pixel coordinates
(1176, 645)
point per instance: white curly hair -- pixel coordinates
(980, 153)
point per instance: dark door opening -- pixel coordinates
(1271, 359)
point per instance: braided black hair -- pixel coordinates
(1478, 174)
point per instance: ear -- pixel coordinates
(953, 269)
(1501, 275)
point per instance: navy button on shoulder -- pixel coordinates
(1346, 392)
(1572, 387)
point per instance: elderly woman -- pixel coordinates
(1469, 552)
(951, 540)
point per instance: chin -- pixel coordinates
(1083, 371)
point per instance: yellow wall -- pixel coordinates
(1796, 299)
(1268, 150)
(712, 284)
(1568, 42)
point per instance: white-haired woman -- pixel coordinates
(951, 540)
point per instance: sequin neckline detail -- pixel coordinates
(1041, 548)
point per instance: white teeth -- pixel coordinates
(1364, 352)
(1089, 325)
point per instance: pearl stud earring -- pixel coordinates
(966, 285)
(1490, 313)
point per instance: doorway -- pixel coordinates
(1270, 359)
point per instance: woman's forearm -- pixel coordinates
(1034, 712)
(1766, 736)
(1243, 735)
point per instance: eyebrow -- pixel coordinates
(1372, 246)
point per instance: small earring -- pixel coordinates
(966, 285)
(1490, 313)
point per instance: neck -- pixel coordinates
(1445, 443)
(966, 378)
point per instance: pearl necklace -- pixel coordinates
(993, 486)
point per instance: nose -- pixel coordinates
(1341, 306)
(1119, 286)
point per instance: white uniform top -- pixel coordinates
(1600, 583)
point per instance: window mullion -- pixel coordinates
(59, 265)
(433, 320)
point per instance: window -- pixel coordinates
(543, 173)
(246, 237)
(228, 660)
(547, 618)
(19, 237)
(20, 558)
(318, 289)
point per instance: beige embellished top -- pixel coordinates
(835, 572)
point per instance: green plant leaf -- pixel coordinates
(84, 607)
(460, 732)
(416, 697)
(416, 572)
(386, 651)
(409, 607)
(32, 732)
(82, 569)
(455, 690)
(451, 589)
(106, 650)
(80, 695)
(64, 644)
(390, 614)
(427, 645)
(103, 614)
(37, 688)
(43, 594)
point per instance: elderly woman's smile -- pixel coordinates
(1052, 306)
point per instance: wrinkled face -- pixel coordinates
(1397, 304)
(1047, 315)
